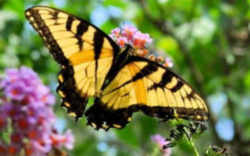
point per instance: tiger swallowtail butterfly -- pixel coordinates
(93, 65)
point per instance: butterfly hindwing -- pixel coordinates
(84, 52)
(147, 86)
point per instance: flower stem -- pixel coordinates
(190, 140)
(156, 151)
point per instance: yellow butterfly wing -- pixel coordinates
(147, 86)
(84, 52)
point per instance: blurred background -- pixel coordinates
(208, 42)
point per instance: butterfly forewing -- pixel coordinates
(84, 52)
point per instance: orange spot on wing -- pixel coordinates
(88, 55)
(140, 91)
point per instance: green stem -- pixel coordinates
(156, 151)
(190, 140)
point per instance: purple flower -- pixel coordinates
(45, 95)
(4, 108)
(16, 91)
(3, 120)
(3, 148)
(11, 76)
(27, 103)
(161, 142)
(16, 137)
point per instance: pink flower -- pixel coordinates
(129, 34)
(40, 146)
(66, 140)
(116, 32)
(69, 140)
(161, 142)
(168, 62)
(140, 40)
(128, 31)
(122, 41)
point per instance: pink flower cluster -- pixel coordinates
(130, 35)
(26, 107)
(161, 142)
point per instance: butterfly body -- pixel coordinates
(93, 65)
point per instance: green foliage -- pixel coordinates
(120, 4)
(128, 136)
(17, 7)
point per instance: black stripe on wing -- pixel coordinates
(38, 23)
(145, 71)
(98, 43)
(72, 100)
(99, 116)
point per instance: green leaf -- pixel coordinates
(214, 151)
(148, 127)
(121, 4)
(154, 8)
(168, 44)
(127, 135)
(5, 136)
(108, 27)
(87, 147)
(17, 7)
(247, 80)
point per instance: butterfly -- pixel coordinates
(93, 65)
